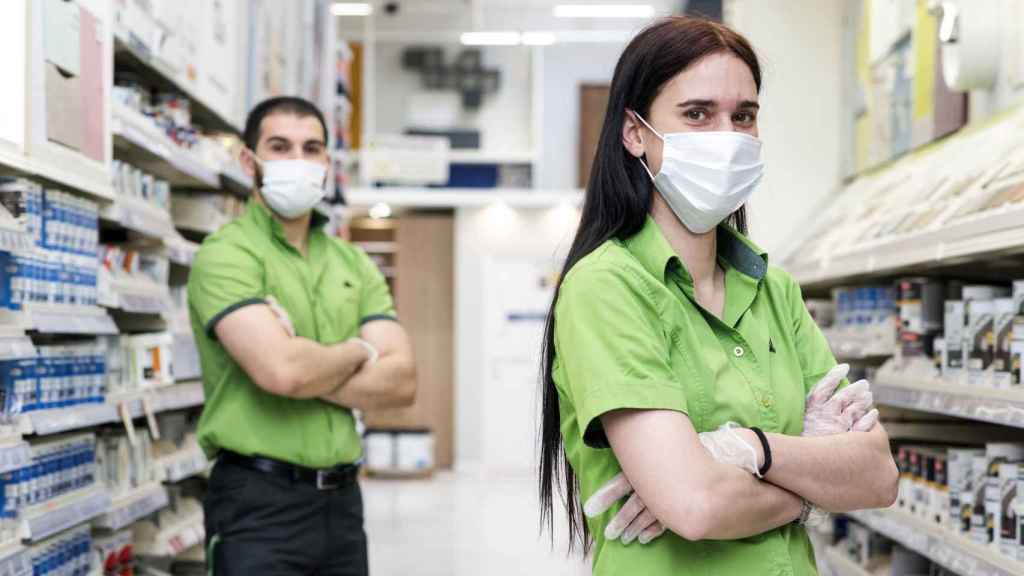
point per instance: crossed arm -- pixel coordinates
(295, 367)
(699, 498)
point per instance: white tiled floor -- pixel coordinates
(462, 524)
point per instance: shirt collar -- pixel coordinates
(261, 215)
(650, 247)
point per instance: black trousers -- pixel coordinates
(263, 524)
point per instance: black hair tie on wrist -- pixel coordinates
(767, 451)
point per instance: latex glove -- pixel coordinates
(633, 521)
(728, 447)
(282, 315)
(827, 413)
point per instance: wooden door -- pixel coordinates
(593, 105)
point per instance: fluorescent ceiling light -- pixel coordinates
(490, 38)
(538, 38)
(351, 9)
(604, 11)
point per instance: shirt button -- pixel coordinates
(766, 402)
(738, 351)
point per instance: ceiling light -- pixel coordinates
(351, 9)
(604, 11)
(538, 38)
(380, 211)
(490, 38)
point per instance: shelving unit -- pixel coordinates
(937, 396)
(842, 565)
(138, 216)
(60, 319)
(953, 551)
(127, 509)
(138, 141)
(184, 464)
(15, 561)
(44, 520)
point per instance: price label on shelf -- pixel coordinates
(154, 428)
(129, 425)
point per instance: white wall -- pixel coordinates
(799, 43)
(1009, 88)
(503, 118)
(13, 44)
(497, 368)
(565, 67)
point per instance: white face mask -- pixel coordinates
(706, 176)
(291, 188)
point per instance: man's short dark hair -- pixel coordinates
(280, 104)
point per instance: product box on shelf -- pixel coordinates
(69, 553)
(123, 466)
(985, 473)
(1002, 339)
(1005, 530)
(953, 336)
(938, 484)
(115, 553)
(978, 340)
(59, 376)
(921, 306)
(960, 462)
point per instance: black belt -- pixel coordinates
(329, 479)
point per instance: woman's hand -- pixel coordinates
(850, 409)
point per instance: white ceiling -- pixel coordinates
(420, 17)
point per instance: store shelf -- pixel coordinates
(174, 539)
(166, 399)
(138, 141)
(138, 296)
(178, 397)
(999, 406)
(378, 247)
(134, 506)
(60, 319)
(13, 238)
(15, 560)
(139, 216)
(44, 520)
(14, 455)
(15, 344)
(15, 163)
(842, 565)
(196, 216)
(944, 547)
(491, 157)
(994, 232)
(129, 56)
(179, 250)
(233, 180)
(462, 197)
(186, 357)
(183, 464)
(852, 346)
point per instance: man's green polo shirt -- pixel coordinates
(328, 294)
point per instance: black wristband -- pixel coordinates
(767, 451)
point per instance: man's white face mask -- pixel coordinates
(291, 188)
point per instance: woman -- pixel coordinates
(668, 323)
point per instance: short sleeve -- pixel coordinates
(224, 278)
(375, 302)
(815, 354)
(612, 348)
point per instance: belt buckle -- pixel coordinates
(326, 480)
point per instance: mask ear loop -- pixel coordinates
(656, 133)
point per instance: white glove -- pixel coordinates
(634, 521)
(849, 409)
(728, 447)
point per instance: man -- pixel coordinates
(295, 329)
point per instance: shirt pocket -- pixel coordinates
(336, 306)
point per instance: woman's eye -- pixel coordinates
(696, 115)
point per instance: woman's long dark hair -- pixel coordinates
(617, 202)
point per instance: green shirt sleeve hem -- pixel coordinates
(376, 317)
(220, 315)
(627, 395)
